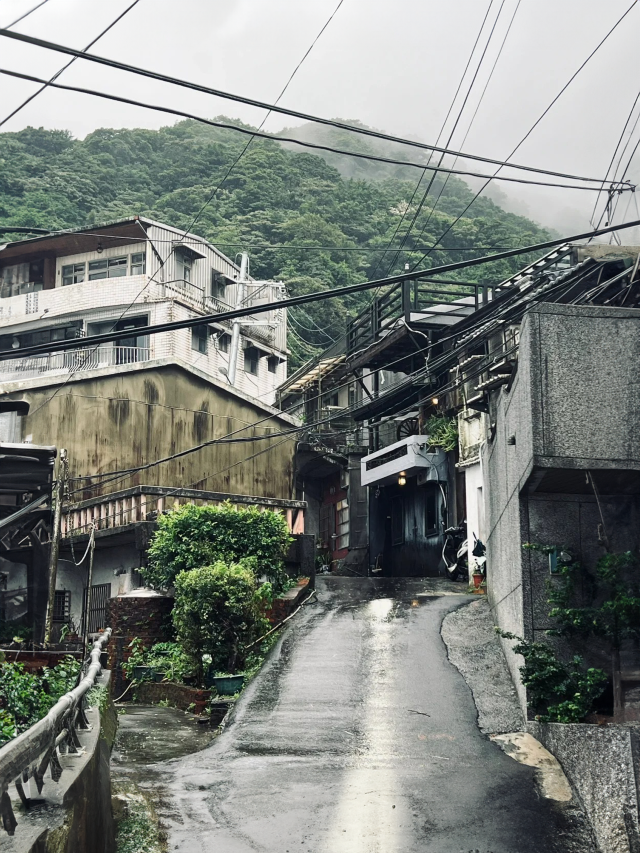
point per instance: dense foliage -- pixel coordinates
(557, 692)
(193, 536)
(26, 697)
(170, 659)
(274, 195)
(218, 612)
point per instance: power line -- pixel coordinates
(440, 132)
(444, 184)
(531, 129)
(258, 133)
(376, 158)
(271, 107)
(316, 296)
(26, 14)
(64, 67)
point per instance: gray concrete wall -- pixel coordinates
(574, 404)
(601, 762)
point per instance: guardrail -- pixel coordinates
(30, 754)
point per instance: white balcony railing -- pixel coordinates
(71, 362)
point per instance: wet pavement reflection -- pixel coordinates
(359, 736)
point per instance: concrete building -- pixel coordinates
(119, 409)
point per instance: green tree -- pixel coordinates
(192, 536)
(218, 612)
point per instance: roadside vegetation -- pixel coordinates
(224, 566)
(26, 697)
(601, 609)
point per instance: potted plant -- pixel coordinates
(478, 577)
(225, 684)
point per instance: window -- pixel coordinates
(186, 268)
(199, 335)
(431, 510)
(62, 605)
(272, 363)
(224, 342)
(72, 274)
(397, 521)
(330, 399)
(21, 278)
(138, 263)
(342, 511)
(107, 268)
(218, 285)
(251, 357)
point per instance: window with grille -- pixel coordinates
(342, 519)
(62, 605)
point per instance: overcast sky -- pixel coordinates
(394, 66)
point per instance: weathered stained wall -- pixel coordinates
(114, 422)
(573, 407)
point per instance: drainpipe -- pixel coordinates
(235, 331)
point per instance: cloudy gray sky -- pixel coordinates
(394, 66)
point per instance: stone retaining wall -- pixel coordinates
(602, 764)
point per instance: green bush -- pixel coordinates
(556, 692)
(168, 658)
(193, 536)
(27, 697)
(218, 612)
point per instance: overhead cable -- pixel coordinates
(273, 107)
(376, 158)
(316, 296)
(46, 83)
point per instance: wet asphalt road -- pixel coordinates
(328, 753)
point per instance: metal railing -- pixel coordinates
(403, 299)
(72, 362)
(30, 754)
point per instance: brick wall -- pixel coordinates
(146, 616)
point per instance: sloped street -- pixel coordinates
(359, 735)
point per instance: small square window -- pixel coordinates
(72, 273)
(251, 358)
(138, 263)
(199, 336)
(98, 269)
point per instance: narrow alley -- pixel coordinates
(359, 735)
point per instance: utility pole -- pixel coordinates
(55, 544)
(235, 331)
(87, 606)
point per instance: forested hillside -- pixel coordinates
(272, 196)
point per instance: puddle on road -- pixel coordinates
(148, 734)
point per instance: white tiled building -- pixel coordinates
(127, 275)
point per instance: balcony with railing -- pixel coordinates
(59, 363)
(417, 302)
